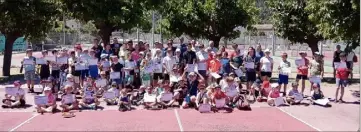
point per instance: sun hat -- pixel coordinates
(47, 89)
(267, 51)
(69, 76)
(274, 85)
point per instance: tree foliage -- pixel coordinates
(337, 19)
(29, 18)
(110, 15)
(291, 21)
(209, 19)
(89, 28)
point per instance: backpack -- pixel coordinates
(354, 59)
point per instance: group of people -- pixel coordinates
(188, 76)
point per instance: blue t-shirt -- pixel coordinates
(193, 88)
(109, 53)
(225, 66)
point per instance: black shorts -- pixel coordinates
(304, 77)
(157, 76)
(349, 64)
(166, 77)
(268, 74)
(251, 76)
(76, 73)
(55, 74)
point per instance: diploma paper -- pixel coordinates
(88, 95)
(40, 100)
(62, 60)
(239, 72)
(249, 65)
(150, 98)
(285, 71)
(220, 103)
(322, 101)
(190, 67)
(69, 98)
(50, 58)
(166, 97)
(109, 95)
(204, 108)
(11, 91)
(40, 61)
(115, 75)
(28, 62)
(279, 101)
(298, 97)
(300, 62)
(100, 83)
(173, 78)
(93, 62)
(215, 75)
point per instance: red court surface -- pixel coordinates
(259, 119)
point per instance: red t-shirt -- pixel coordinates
(342, 73)
(304, 69)
(219, 95)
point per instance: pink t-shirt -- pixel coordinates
(275, 94)
(51, 98)
(135, 56)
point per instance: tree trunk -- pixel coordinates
(8, 54)
(216, 41)
(105, 33)
(314, 46)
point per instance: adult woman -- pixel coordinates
(249, 63)
(266, 65)
(316, 69)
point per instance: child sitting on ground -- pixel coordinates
(274, 94)
(264, 91)
(219, 100)
(165, 98)
(317, 96)
(102, 83)
(294, 96)
(149, 100)
(124, 101)
(68, 100)
(19, 97)
(115, 91)
(50, 107)
(89, 100)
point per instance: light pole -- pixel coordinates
(153, 26)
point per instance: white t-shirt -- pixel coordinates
(350, 56)
(169, 62)
(157, 65)
(114, 90)
(266, 64)
(129, 65)
(202, 65)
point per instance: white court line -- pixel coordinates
(21, 124)
(178, 120)
(299, 119)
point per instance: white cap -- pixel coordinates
(267, 50)
(177, 50)
(69, 76)
(47, 89)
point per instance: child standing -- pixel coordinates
(342, 73)
(284, 70)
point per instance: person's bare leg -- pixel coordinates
(342, 92)
(303, 85)
(338, 88)
(285, 88)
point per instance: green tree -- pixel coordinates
(110, 15)
(337, 19)
(291, 21)
(209, 19)
(89, 28)
(30, 18)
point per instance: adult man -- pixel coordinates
(211, 45)
(116, 47)
(336, 58)
(97, 48)
(189, 57)
(350, 59)
(169, 45)
(202, 57)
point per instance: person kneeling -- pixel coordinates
(68, 100)
(90, 100)
(50, 107)
(19, 97)
(219, 100)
